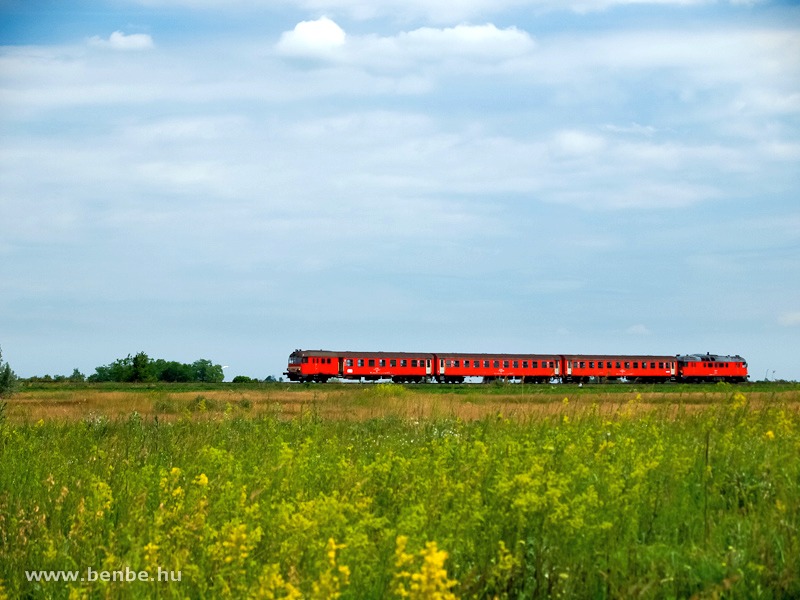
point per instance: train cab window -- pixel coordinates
(414, 362)
(393, 362)
(403, 362)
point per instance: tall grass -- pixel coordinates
(579, 504)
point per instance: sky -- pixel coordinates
(235, 179)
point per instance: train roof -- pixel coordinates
(650, 357)
(498, 355)
(708, 357)
(349, 354)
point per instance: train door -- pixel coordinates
(558, 367)
(428, 366)
(341, 366)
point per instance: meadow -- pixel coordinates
(384, 491)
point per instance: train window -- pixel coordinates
(476, 364)
(371, 362)
(661, 364)
(524, 364)
(382, 362)
(535, 364)
(393, 362)
(627, 364)
(403, 362)
(414, 362)
(652, 365)
(617, 365)
(348, 362)
(516, 364)
(583, 364)
(635, 364)
(505, 364)
(456, 363)
(497, 364)
(466, 364)
(486, 364)
(644, 365)
(360, 362)
(591, 364)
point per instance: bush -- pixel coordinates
(8, 380)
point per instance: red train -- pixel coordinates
(455, 367)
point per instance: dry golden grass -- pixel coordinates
(360, 402)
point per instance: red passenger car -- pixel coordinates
(400, 367)
(321, 365)
(529, 368)
(609, 367)
(711, 367)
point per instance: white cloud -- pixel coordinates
(790, 319)
(638, 329)
(576, 143)
(476, 41)
(122, 41)
(320, 38)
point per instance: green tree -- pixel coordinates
(8, 380)
(205, 370)
(141, 368)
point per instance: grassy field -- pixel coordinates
(383, 491)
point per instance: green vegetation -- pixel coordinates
(577, 504)
(8, 380)
(141, 368)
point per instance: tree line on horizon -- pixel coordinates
(141, 368)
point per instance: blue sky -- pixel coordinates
(234, 179)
